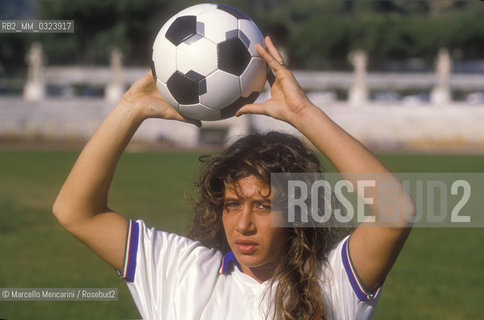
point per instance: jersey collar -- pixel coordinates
(228, 263)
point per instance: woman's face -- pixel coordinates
(247, 222)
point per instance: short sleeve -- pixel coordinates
(157, 264)
(358, 288)
(349, 299)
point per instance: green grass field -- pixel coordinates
(438, 275)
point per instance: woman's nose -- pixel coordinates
(245, 224)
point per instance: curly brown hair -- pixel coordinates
(298, 292)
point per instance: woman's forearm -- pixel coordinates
(85, 192)
(355, 162)
(344, 151)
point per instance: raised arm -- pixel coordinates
(82, 203)
(373, 247)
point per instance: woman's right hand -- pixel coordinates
(144, 96)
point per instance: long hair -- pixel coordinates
(298, 291)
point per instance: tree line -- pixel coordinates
(315, 34)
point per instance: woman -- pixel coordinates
(265, 272)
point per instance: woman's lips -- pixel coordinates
(246, 247)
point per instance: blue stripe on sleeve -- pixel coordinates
(133, 250)
(358, 288)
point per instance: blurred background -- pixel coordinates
(377, 67)
(398, 35)
(405, 77)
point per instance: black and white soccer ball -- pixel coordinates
(205, 63)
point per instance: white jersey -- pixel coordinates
(173, 277)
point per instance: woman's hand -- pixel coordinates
(144, 95)
(288, 99)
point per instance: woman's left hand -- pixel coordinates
(288, 99)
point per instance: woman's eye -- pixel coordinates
(231, 205)
(264, 206)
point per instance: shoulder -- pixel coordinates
(150, 236)
(147, 246)
(165, 270)
(334, 253)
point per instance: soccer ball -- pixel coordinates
(205, 63)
